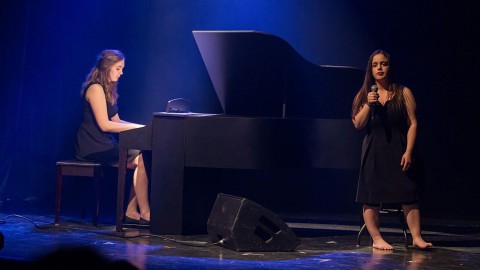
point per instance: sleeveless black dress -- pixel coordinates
(381, 179)
(92, 143)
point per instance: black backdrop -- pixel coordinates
(48, 48)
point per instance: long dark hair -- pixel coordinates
(361, 97)
(99, 74)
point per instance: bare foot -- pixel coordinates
(381, 244)
(421, 244)
(381, 252)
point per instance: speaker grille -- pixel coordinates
(243, 225)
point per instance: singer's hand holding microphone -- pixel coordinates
(372, 97)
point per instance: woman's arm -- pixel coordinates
(360, 120)
(96, 97)
(410, 106)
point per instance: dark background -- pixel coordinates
(48, 47)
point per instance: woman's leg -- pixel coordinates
(371, 217)
(140, 184)
(412, 214)
(132, 207)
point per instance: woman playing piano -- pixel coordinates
(95, 137)
(388, 171)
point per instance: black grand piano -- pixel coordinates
(280, 111)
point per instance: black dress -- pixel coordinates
(92, 143)
(381, 179)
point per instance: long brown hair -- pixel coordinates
(361, 97)
(100, 74)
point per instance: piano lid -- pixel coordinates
(260, 74)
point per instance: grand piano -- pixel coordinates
(280, 111)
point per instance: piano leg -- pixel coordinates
(168, 164)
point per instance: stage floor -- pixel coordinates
(327, 242)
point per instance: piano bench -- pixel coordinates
(79, 169)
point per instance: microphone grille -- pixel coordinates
(374, 88)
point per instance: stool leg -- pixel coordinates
(58, 194)
(360, 234)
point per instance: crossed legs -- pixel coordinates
(138, 204)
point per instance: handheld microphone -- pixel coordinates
(374, 88)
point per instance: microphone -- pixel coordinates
(374, 88)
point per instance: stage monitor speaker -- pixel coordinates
(242, 225)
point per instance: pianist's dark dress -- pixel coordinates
(381, 179)
(93, 144)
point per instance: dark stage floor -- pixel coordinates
(326, 243)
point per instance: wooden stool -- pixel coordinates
(389, 211)
(78, 168)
